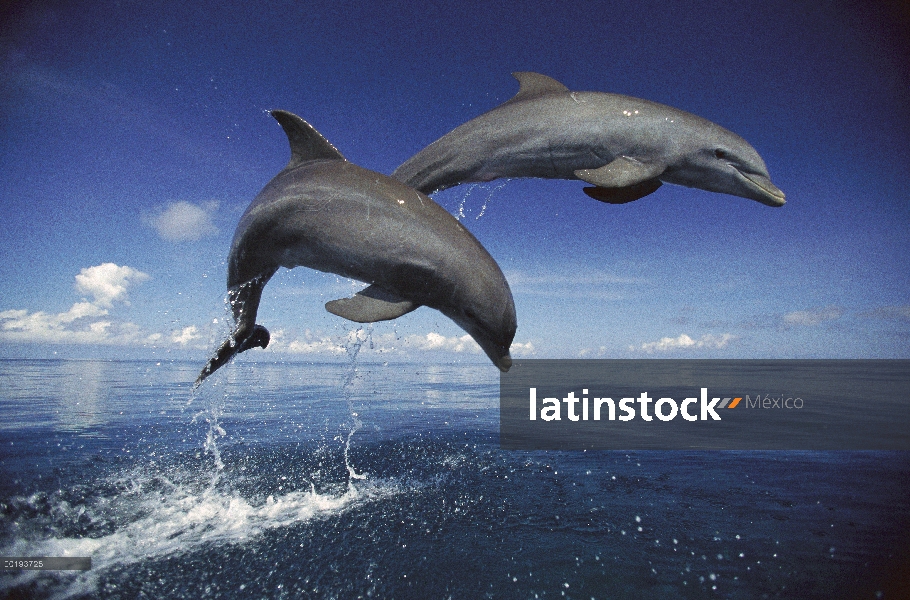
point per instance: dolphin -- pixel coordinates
(625, 147)
(326, 213)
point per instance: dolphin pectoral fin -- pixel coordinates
(371, 304)
(622, 172)
(624, 194)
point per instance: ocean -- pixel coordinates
(384, 480)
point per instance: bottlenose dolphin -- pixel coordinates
(622, 145)
(326, 213)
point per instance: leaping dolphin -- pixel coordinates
(626, 147)
(326, 213)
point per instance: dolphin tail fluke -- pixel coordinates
(238, 342)
(244, 300)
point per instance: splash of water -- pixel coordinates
(483, 208)
(210, 446)
(461, 214)
(464, 200)
(150, 515)
(211, 414)
(233, 305)
(354, 342)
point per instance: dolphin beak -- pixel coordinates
(765, 192)
(504, 363)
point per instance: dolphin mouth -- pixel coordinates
(768, 193)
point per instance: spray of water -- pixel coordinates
(483, 208)
(211, 416)
(214, 409)
(464, 200)
(353, 343)
(144, 515)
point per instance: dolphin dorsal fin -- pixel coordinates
(306, 143)
(533, 85)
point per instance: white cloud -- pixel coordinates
(310, 344)
(185, 335)
(518, 349)
(685, 342)
(898, 313)
(587, 352)
(318, 347)
(108, 283)
(434, 341)
(813, 317)
(100, 328)
(715, 341)
(321, 346)
(81, 310)
(184, 222)
(588, 284)
(585, 277)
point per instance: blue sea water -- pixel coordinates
(373, 480)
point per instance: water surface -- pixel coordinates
(318, 481)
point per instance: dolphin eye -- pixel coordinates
(720, 154)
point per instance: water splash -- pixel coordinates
(461, 214)
(234, 305)
(483, 208)
(210, 446)
(464, 200)
(144, 515)
(353, 343)
(211, 414)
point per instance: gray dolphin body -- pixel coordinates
(326, 213)
(624, 146)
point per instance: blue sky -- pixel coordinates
(134, 134)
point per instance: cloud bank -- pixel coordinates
(387, 343)
(106, 288)
(813, 317)
(83, 323)
(684, 342)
